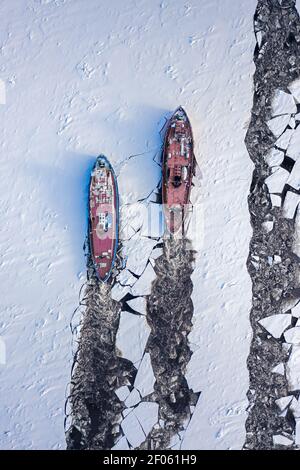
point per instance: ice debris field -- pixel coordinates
(83, 78)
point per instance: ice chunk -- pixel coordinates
(294, 88)
(296, 241)
(297, 432)
(279, 369)
(292, 123)
(147, 415)
(132, 336)
(143, 285)
(138, 304)
(294, 178)
(125, 278)
(290, 204)
(295, 407)
(289, 303)
(293, 335)
(275, 157)
(156, 253)
(280, 440)
(277, 180)
(133, 430)
(122, 393)
(293, 368)
(133, 398)
(283, 402)
(268, 225)
(283, 103)
(284, 139)
(296, 311)
(293, 150)
(276, 324)
(278, 124)
(118, 292)
(122, 444)
(145, 378)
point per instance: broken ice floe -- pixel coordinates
(290, 204)
(132, 430)
(137, 424)
(143, 284)
(281, 440)
(279, 369)
(278, 124)
(283, 103)
(294, 88)
(126, 278)
(122, 444)
(296, 241)
(277, 180)
(297, 432)
(122, 392)
(147, 414)
(293, 150)
(294, 178)
(295, 407)
(132, 336)
(296, 311)
(133, 399)
(145, 379)
(118, 291)
(292, 335)
(276, 324)
(138, 304)
(284, 402)
(284, 139)
(293, 368)
(275, 157)
(268, 225)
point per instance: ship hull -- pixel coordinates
(178, 171)
(103, 218)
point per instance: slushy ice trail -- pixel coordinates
(97, 372)
(272, 263)
(169, 315)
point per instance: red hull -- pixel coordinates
(178, 171)
(103, 218)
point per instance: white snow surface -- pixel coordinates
(83, 78)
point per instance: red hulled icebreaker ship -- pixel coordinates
(178, 171)
(103, 218)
